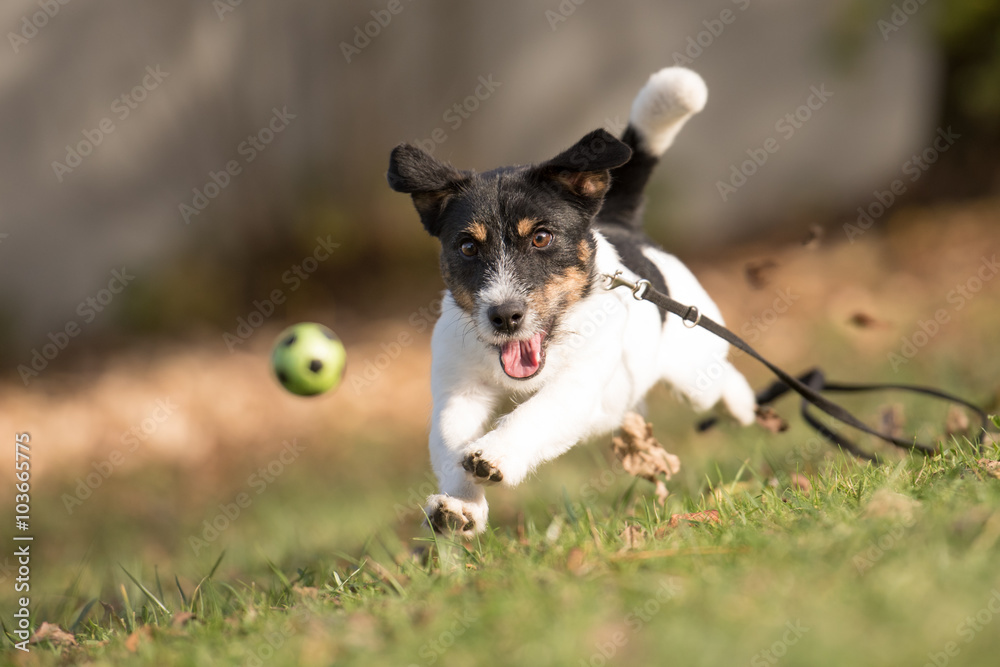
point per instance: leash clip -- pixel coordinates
(611, 281)
(639, 288)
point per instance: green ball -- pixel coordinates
(308, 359)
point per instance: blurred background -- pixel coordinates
(182, 180)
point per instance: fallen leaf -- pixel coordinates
(757, 272)
(50, 632)
(708, 516)
(957, 422)
(770, 420)
(891, 421)
(642, 456)
(132, 641)
(801, 483)
(633, 536)
(182, 618)
(575, 561)
(991, 467)
(866, 321)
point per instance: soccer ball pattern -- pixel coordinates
(308, 359)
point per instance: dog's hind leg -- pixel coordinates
(659, 111)
(738, 396)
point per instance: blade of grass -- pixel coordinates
(197, 589)
(145, 590)
(82, 615)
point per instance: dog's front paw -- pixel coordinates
(481, 470)
(447, 514)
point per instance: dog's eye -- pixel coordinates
(542, 238)
(469, 249)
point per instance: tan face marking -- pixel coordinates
(561, 292)
(477, 231)
(525, 226)
(583, 252)
(462, 296)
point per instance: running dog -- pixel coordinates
(527, 321)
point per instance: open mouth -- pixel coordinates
(522, 359)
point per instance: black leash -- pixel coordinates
(808, 386)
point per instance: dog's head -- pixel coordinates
(516, 247)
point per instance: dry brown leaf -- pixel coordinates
(757, 273)
(990, 466)
(182, 618)
(801, 483)
(642, 456)
(575, 561)
(633, 536)
(708, 516)
(50, 632)
(866, 321)
(132, 641)
(891, 421)
(770, 420)
(957, 422)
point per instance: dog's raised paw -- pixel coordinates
(450, 515)
(481, 469)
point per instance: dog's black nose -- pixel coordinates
(507, 317)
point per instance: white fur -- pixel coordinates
(664, 104)
(594, 373)
(609, 351)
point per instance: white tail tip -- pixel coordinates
(664, 104)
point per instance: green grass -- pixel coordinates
(786, 577)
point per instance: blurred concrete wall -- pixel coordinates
(325, 102)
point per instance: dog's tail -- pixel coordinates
(659, 111)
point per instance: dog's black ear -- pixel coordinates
(584, 169)
(429, 181)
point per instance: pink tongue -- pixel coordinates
(522, 358)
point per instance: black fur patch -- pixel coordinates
(629, 245)
(560, 196)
